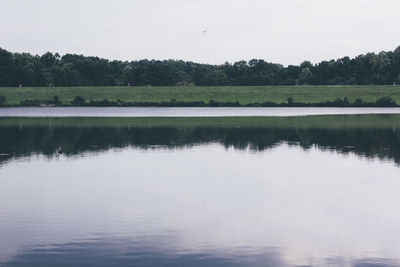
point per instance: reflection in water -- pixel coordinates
(366, 135)
(306, 198)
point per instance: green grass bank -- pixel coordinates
(242, 94)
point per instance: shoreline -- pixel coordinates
(384, 101)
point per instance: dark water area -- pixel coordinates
(371, 136)
(240, 191)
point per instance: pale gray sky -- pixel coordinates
(281, 31)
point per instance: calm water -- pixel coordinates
(273, 191)
(183, 112)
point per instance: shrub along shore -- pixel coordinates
(79, 101)
(263, 96)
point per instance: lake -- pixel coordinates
(319, 190)
(185, 112)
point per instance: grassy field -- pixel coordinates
(243, 94)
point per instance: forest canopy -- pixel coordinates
(77, 70)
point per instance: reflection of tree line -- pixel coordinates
(18, 142)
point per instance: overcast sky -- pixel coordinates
(280, 31)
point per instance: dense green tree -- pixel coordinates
(72, 70)
(7, 68)
(305, 76)
(216, 77)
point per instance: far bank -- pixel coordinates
(341, 95)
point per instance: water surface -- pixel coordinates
(184, 112)
(292, 191)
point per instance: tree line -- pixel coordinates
(77, 70)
